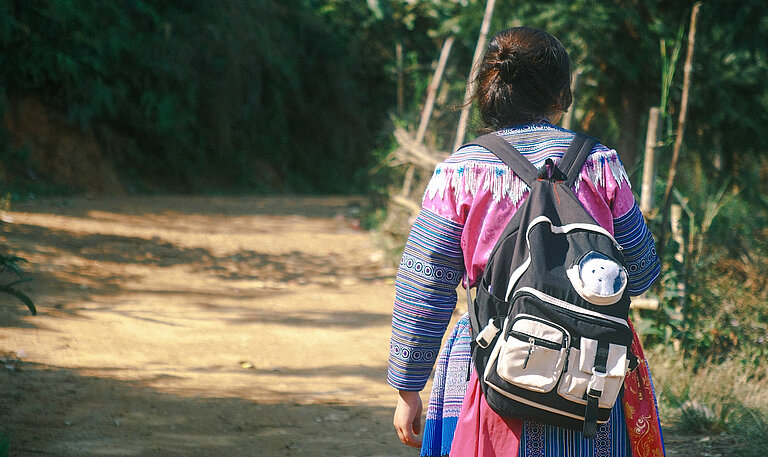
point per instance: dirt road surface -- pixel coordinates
(174, 326)
(201, 326)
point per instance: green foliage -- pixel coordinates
(725, 415)
(713, 288)
(228, 95)
(729, 100)
(294, 95)
(753, 425)
(10, 264)
(704, 419)
(713, 297)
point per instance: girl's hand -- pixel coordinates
(408, 418)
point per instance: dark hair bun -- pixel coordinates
(508, 68)
(525, 77)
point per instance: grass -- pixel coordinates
(730, 398)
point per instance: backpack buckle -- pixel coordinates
(487, 334)
(596, 384)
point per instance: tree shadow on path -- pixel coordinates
(53, 411)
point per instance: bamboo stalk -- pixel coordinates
(400, 78)
(461, 129)
(676, 216)
(688, 70)
(429, 106)
(649, 170)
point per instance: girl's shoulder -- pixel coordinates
(474, 169)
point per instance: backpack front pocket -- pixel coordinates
(581, 375)
(533, 353)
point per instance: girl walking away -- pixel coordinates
(523, 89)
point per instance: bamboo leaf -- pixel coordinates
(22, 297)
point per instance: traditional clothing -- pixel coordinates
(467, 204)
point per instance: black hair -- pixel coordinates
(524, 77)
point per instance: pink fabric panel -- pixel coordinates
(481, 232)
(595, 200)
(619, 194)
(472, 211)
(481, 432)
(622, 200)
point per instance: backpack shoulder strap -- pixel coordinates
(509, 155)
(573, 159)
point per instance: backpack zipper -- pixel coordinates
(546, 343)
(531, 348)
(571, 308)
(537, 341)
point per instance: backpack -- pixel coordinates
(549, 322)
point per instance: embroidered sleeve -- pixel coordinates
(639, 250)
(425, 296)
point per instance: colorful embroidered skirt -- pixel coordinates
(448, 389)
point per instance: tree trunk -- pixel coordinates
(461, 129)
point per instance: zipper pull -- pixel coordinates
(531, 347)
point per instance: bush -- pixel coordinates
(713, 302)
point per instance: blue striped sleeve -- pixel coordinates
(425, 296)
(639, 250)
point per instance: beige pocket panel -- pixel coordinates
(532, 356)
(573, 385)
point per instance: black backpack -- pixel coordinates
(549, 323)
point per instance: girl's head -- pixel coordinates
(524, 77)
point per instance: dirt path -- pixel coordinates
(202, 327)
(197, 327)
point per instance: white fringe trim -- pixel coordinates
(472, 176)
(595, 172)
